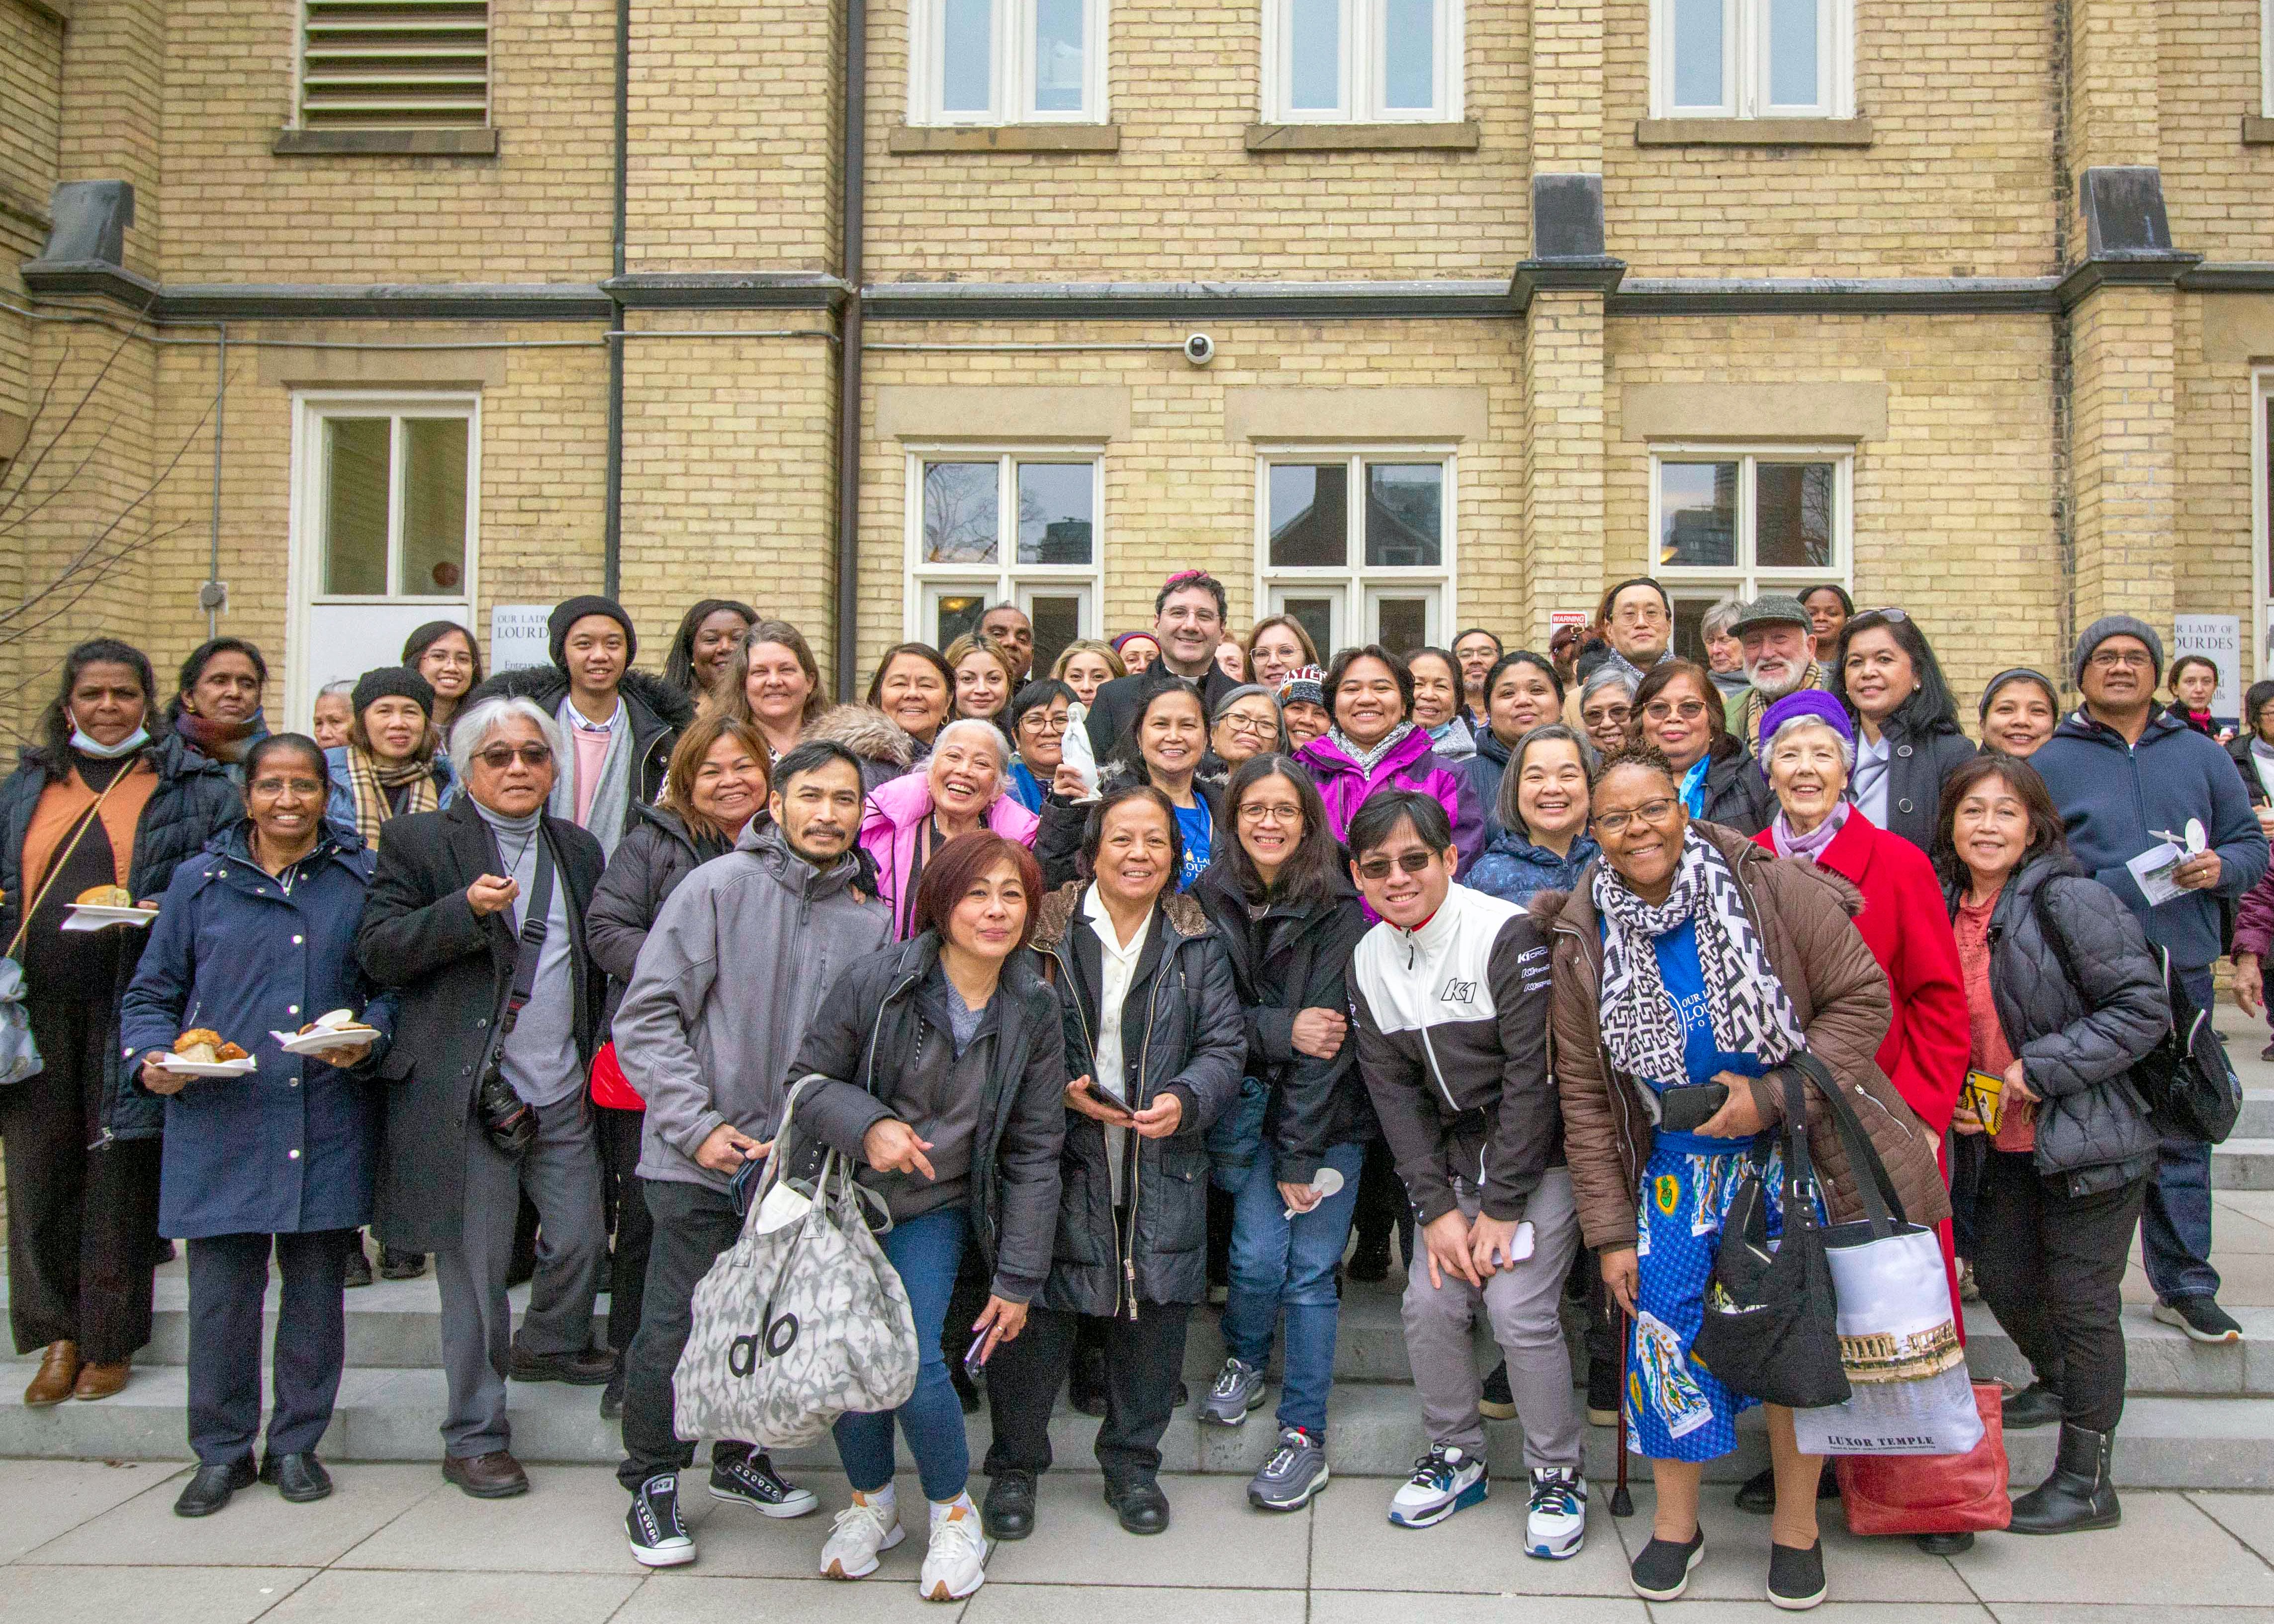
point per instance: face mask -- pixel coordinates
(127, 746)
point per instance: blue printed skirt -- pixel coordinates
(1677, 1410)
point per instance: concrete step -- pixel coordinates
(2257, 1119)
(1374, 1431)
(2243, 1164)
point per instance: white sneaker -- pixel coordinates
(1444, 1481)
(861, 1533)
(1556, 1524)
(956, 1565)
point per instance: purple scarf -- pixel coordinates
(1810, 844)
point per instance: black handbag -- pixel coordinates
(1771, 1330)
(509, 1121)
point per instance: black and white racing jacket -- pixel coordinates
(1452, 1028)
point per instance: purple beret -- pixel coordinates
(1813, 702)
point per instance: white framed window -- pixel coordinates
(2266, 57)
(1361, 61)
(1752, 58)
(1017, 526)
(1738, 521)
(1357, 543)
(385, 522)
(415, 64)
(1007, 62)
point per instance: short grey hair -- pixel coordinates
(984, 729)
(469, 732)
(1793, 724)
(1719, 616)
(1608, 675)
(344, 688)
(1510, 779)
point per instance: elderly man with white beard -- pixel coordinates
(1777, 636)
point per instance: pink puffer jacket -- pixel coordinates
(1410, 763)
(897, 812)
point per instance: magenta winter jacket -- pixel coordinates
(2253, 920)
(896, 811)
(1410, 763)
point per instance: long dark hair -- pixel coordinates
(2045, 832)
(56, 720)
(679, 665)
(1308, 875)
(1128, 753)
(415, 647)
(1931, 708)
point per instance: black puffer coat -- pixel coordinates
(194, 800)
(1294, 958)
(1736, 795)
(1181, 1032)
(658, 851)
(2077, 1014)
(871, 1027)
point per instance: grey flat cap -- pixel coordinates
(1772, 609)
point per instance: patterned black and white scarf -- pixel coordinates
(1745, 1002)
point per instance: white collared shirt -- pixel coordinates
(1117, 968)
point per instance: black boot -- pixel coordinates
(2081, 1493)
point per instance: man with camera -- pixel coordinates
(476, 921)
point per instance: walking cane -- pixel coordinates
(1622, 1502)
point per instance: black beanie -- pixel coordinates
(393, 682)
(568, 614)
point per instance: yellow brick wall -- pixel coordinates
(1957, 180)
(1562, 448)
(1955, 499)
(115, 73)
(1183, 197)
(2219, 192)
(2125, 469)
(31, 88)
(2213, 456)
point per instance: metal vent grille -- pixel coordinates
(396, 62)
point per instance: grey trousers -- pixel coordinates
(560, 1171)
(1523, 1306)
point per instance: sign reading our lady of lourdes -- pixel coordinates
(518, 637)
(2219, 639)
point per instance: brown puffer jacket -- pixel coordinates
(1805, 915)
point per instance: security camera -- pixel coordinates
(1200, 349)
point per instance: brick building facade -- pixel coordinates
(1968, 307)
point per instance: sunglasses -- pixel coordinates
(498, 757)
(1412, 862)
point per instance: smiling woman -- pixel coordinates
(1373, 743)
(964, 785)
(388, 767)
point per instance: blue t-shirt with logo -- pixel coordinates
(1192, 822)
(1685, 985)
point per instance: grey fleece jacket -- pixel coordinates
(725, 985)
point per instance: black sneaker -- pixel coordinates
(1497, 1402)
(359, 1265)
(1795, 1577)
(394, 1265)
(1660, 1571)
(1369, 1265)
(1009, 1513)
(652, 1527)
(2201, 1318)
(751, 1480)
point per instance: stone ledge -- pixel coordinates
(1464, 137)
(912, 138)
(2257, 131)
(481, 143)
(1752, 132)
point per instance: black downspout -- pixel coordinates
(612, 564)
(854, 147)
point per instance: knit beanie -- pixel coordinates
(1307, 687)
(2022, 673)
(2117, 626)
(1813, 702)
(393, 682)
(568, 614)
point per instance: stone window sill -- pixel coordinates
(1363, 138)
(1753, 132)
(1006, 137)
(2257, 131)
(418, 143)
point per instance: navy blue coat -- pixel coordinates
(292, 1146)
(2111, 794)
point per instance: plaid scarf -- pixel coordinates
(1747, 1006)
(368, 783)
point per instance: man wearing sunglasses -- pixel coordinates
(476, 914)
(1450, 994)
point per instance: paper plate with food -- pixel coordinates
(337, 1029)
(203, 1052)
(98, 907)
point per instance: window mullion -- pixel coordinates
(1013, 100)
(1358, 61)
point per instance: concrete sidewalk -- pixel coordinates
(90, 1543)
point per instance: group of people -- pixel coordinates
(1294, 959)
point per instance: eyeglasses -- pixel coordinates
(1262, 812)
(277, 787)
(1597, 716)
(1687, 710)
(498, 757)
(1043, 721)
(1412, 862)
(2111, 659)
(1651, 812)
(1896, 616)
(1254, 726)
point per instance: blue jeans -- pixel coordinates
(927, 1252)
(2175, 1219)
(1281, 1263)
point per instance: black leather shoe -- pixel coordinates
(1759, 1494)
(1009, 1513)
(1945, 1545)
(1140, 1504)
(210, 1488)
(2035, 1405)
(588, 1367)
(394, 1265)
(298, 1477)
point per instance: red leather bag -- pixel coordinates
(609, 1087)
(1934, 1493)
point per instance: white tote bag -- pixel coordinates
(1908, 1390)
(803, 1320)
